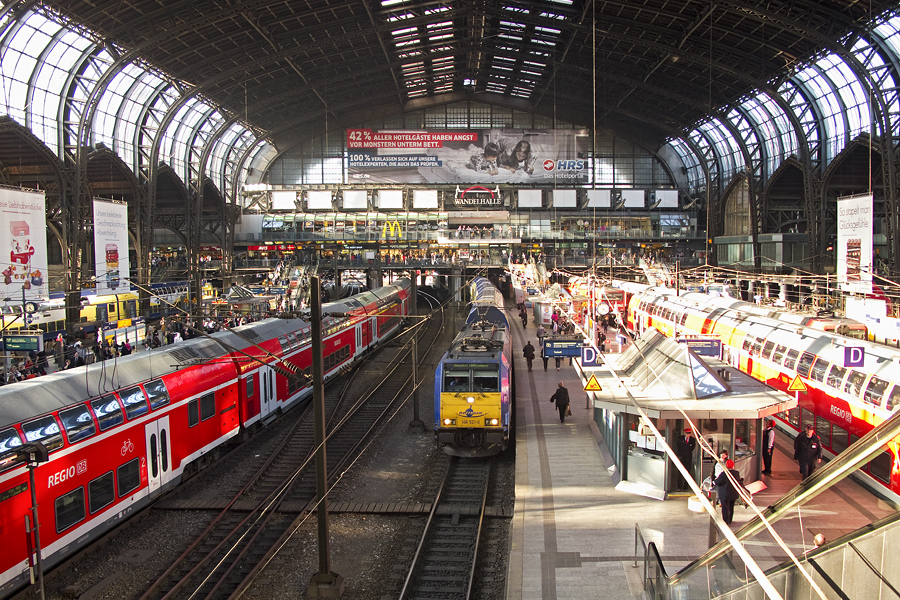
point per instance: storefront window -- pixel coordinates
(744, 438)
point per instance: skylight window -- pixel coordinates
(434, 11)
(386, 3)
(549, 15)
(400, 17)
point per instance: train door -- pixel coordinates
(268, 399)
(159, 453)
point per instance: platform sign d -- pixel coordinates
(854, 356)
(590, 357)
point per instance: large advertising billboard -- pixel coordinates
(111, 247)
(23, 231)
(854, 244)
(489, 156)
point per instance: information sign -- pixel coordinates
(703, 346)
(563, 346)
(590, 357)
(23, 343)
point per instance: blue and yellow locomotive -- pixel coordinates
(473, 383)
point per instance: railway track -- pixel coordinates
(252, 525)
(444, 563)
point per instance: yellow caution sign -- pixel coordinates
(592, 385)
(797, 385)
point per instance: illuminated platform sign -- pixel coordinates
(563, 346)
(703, 346)
(23, 343)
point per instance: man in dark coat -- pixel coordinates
(808, 451)
(768, 446)
(685, 451)
(726, 492)
(528, 353)
(561, 397)
(523, 314)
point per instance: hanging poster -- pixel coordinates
(111, 247)
(854, 244)
(23, 230)
(529, 156)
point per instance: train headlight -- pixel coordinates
(470, 399)
(494, 422)
(449, 421)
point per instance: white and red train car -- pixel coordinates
(843, 400)
(119, 433)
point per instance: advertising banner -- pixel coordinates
(23, 230)
(111, 247)
(854, 244)
(490, 156)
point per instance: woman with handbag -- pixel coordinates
(561, 397)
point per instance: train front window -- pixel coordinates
(456, 381)
(485, 381)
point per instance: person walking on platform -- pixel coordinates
(541, 333)
(768, 446)
(726, 492)
(528, 353)
(544, 358)
(523, 314)
(561, 397)
(808, 451)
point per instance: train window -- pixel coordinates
(839, 438)
(78, 423)
(250, 388)
(836, 376)
(778, 355)
(69, 509)
(875, 391)
(128, 477)
(207, 406)
(285, 345)
(485, 381)
(164, 449)
(44, 430)
(456, 381)
(854, 382)
(9, 443)
(755, 347)
(134, 401)
(793, 417)
(805, 362)
(823, 430)
(806, 418)
(157, 393)
(880, 467)
(101, 492)
(819, 368)
(767, 349)
(893, 400)
(112, 307)
(791, 359)
(746, 344)
(193, 413)
(108, 411)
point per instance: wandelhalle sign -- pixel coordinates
(479, 156)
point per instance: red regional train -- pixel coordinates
(848, 391)
(120, 433)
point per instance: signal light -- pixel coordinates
(470, 399)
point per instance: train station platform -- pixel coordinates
(574, 534)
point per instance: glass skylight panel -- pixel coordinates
(400, 17)
(851, 92)
(563, 2)
(890, 33)
(727, 148)
(549, 15)
(548, 30)
(386, 3)
(437, 10)
(516, 9)
(829, 108)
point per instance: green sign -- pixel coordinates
(15, 343)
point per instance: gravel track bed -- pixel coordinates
(401, 465)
